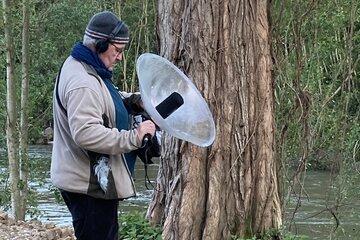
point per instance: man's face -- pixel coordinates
(112, 55)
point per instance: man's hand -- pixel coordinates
(144, 128)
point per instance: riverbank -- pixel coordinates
(34, 230)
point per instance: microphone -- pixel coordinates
(170, 105)
(166, 108)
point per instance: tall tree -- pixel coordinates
(11, 120)
(230, 187)
(24, 165)
(18, 172)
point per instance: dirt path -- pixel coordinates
(34, 230)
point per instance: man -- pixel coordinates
(91, 136)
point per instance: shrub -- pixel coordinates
(134, 226)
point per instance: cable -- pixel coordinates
(147, 179)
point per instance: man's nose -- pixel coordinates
(119, 57)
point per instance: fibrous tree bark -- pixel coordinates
(230, 187)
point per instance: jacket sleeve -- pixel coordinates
(84, 110)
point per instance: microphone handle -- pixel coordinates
(146, 138)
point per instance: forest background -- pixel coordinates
(315, 50)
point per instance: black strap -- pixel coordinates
(57, 86)
(57, 91)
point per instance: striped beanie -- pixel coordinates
(102, 24)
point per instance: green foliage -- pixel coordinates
(54, 30)
(57, 195)
(316, 50)
(317, 86)
(140, 17)
(134, 226)
(4, 187)
(33, 203)
(273, 234)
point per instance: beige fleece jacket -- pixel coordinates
(86, 98)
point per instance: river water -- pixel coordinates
(311, 219)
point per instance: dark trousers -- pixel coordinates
(93, 219)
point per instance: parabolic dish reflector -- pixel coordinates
(158, 79)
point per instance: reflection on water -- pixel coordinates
(312, 218)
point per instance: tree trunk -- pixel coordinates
(24, 160)
(230, 187)
(11, 133)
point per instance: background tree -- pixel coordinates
(11, 120)
(230, 187)
(18, 169)
(24, 110)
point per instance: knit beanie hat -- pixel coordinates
(102, 24)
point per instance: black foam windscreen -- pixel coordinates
(169, 105)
